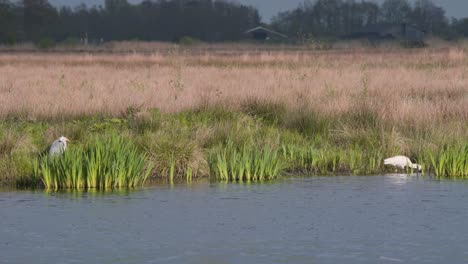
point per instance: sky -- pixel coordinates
(268, 8)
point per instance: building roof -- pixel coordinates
(263, 29)
(381, 27)
(385, 30)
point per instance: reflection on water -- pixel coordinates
(400, 179)
(382, 219)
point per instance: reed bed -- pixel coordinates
(324, 161)
(402, 86)
(247, 163)
(217, 144)
(236, 115)
(104, 163)
(451, 161)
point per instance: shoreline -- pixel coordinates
(197, 144)
(204, 182)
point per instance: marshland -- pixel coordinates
(230, 112)
(216, 131)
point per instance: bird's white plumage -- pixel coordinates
(58, 146)
(402, 162)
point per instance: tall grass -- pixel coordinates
(256, 142)
(244, 163)
(315, 112)
(451, 161)
(15, 154)
(105, 162)
(174, 155)
(331, 83)
(332, 160)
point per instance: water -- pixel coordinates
(383, 219)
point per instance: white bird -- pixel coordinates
(58, 146)
(402, 162)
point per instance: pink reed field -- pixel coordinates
(419, 86)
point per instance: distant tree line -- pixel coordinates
(164, 20)
(211, 20)
(339, 18)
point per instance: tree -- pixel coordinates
(327, 18)
(355, 15)
(114, 6)
(429, 17)
(327, 14)
(396, 11)
(39, 19)
(461, 27)
(7, 26)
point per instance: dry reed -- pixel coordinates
(403, 86)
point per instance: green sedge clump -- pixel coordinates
(105, 162)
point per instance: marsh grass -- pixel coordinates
(253, 144)
(15, 153)
(271, 113)
(229, 162)
(331, 160)
(104, 163)
(222, 114)
(451, 161)
(431, 83)
(176, 158)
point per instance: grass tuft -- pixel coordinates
(451, 161)
(105, 162)
(229, 162)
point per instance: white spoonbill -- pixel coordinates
(402, 162)
(58, 146)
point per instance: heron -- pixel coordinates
(402, 162)
(58, 146)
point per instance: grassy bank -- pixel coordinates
(237, 115)
(259, 142)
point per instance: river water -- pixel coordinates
(379, 219)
